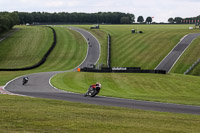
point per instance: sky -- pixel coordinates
(159, 9)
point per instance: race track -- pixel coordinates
(38, 86)
(170, 60)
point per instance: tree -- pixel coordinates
(131, 17)
(125, 20)
(149, 20)
(140, 19)
(177, 20)
(8, 20)
(171, 20)
(26, 17)
(4, 23)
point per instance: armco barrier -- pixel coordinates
(122, 70)
(41, 61)
(109, 51)
(192, 67)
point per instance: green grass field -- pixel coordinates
(169, 88)
(28, 115)
(26, 47)
(23, 114)
(145, 50)
(148, 49)
(69, 52)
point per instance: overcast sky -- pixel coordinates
(159, 9)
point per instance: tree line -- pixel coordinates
(8, 20)
(76, 18)
(148, 20)
(179, 20)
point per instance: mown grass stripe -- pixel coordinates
(56, 61)
(128, 44)
(27, 48)
(164, 37)
(43, 117)
(67, 54)
(163, 88)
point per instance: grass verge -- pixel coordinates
(22, 114)
(170, 88)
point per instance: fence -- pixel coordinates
(192, 67)
(122, 70)
(109, 52)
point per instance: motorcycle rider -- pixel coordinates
(96, 86)
(25, 80)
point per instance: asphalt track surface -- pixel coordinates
(171, 59)
(39, 86)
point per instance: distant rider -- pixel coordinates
(25, 80)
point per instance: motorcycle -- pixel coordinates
(25, 80)
(92, 92)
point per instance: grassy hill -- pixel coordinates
(69, 52)
(26, 47)
(145, 50)
(23, 114)
(148, 49)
